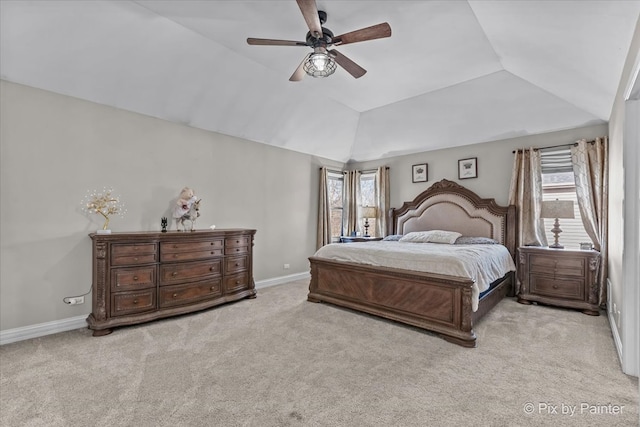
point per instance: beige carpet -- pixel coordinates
(279, 360)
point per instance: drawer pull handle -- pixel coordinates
(175, 273)
(212, 252)
(237, 264)
(237, 249)
(175, 295)
(135, 259)
(555, 286)
(211, 269)
(237, 282)
(175, 255)
(213, 288)
(175, 246)
(135, 278)
(135, 301)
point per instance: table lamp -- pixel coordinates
(557, 209)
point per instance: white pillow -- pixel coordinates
(431, 236)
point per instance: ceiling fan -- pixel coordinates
(322, 61)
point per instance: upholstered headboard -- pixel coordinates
(449, 206)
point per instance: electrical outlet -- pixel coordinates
(286, 266)
(76, 300)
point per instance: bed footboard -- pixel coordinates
(437, 303)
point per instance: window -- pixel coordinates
(335, 186)
(368, 196)
(558, 183)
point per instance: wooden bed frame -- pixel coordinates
(437, 303)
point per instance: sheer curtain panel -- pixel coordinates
(324, 211)
(382, 196)
(352, 199)
(526, 194)
(591, 170)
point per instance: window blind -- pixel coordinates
(556, 159)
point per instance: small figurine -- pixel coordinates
(163, 223)
(186, 209)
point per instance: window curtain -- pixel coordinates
(526, 194)
(383, 203)
(351, 200)
(591, 170)
(324, 211)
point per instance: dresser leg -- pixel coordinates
(591, 312)
(101, 332)
(524, 301)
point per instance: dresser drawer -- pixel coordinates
(236, 245)
(189, 256)
(128, 279)
(143, 253)
(552, 287)
(189, 271)
(235, 264)
(237, 282)
(184, 251)
(559, 266)
(185, 294)
(133, 302)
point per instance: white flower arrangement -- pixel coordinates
(104, 203)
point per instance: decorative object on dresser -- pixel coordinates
(557, 209)
(163, 224)
(366, 213)
(468, 168)
(106, 204)
(187, 208)
(420, 173)
(561, 277)
(139, 277)
(443, 304)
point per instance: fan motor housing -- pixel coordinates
(326, 39)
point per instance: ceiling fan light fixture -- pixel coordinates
(320, 64)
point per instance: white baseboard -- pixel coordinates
(42, 329)
(39, 330)
(612, 323)
(280, 280)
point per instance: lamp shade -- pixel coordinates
(557, 209)
(368, 212)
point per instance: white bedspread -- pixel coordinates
(481, 263)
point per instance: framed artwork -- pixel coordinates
(419, 172)
(468, 168)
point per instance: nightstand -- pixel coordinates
(351, 239)
(560, 277)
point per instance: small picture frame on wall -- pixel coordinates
(468, 168)
(419, 173)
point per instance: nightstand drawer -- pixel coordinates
(558, 266)
(549, 286)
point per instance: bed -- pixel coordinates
(440, 303)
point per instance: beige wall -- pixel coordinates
(55, 148)
(495, 161)
(618, 192)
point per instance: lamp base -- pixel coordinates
(556, 246)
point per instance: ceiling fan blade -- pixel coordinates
(272, 42)
(352, 68)
(310, 13)
(370, 33)
(299, 73)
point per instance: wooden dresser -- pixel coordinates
(139, 277)
(559, 277)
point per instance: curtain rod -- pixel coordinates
(364, 171)
(575, 144)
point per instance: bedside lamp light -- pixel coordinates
(557, 209)
(366, 213)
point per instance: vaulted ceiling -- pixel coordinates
(452, 73)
